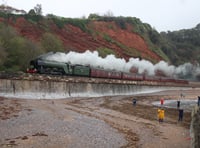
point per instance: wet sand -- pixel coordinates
(93, 122)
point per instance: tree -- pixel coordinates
(20, 52)
(109, 14)
(6, 34)
(51, 42)
(198, 26)
(94, 16)
(121, 22)
(38, 9)
(3, 56)
(32, 12)
(154, 36)
(15, 51)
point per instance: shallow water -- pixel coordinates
(186, 104)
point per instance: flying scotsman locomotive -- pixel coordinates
(42, 66)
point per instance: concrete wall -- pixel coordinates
(195, 128)
(53, 89)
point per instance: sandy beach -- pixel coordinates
(110, 121)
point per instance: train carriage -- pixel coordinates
(167, 79)
(181, 81)
(115, 75)
(152, 78)
(101, 73)
(132, 77)
(98, 73)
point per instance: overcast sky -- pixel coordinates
(163, 15)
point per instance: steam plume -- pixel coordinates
(110, 62)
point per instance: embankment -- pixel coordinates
(40, 87)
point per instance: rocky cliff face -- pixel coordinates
(100, 34)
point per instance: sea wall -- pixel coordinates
(58, 89)
(195, 128)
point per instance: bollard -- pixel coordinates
(180, 115)
(162, 101)
(178, 103)
(134, 102)
(198, 101)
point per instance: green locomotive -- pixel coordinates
(57, 68)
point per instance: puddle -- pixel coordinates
(186, 104)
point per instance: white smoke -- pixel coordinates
(89, 58)
(110, 62)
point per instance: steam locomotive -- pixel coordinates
(60, 68)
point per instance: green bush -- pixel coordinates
(16, 50)
(33, 18)
(61, 22)
(107, 38)
(103, 52)
(51, 42)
